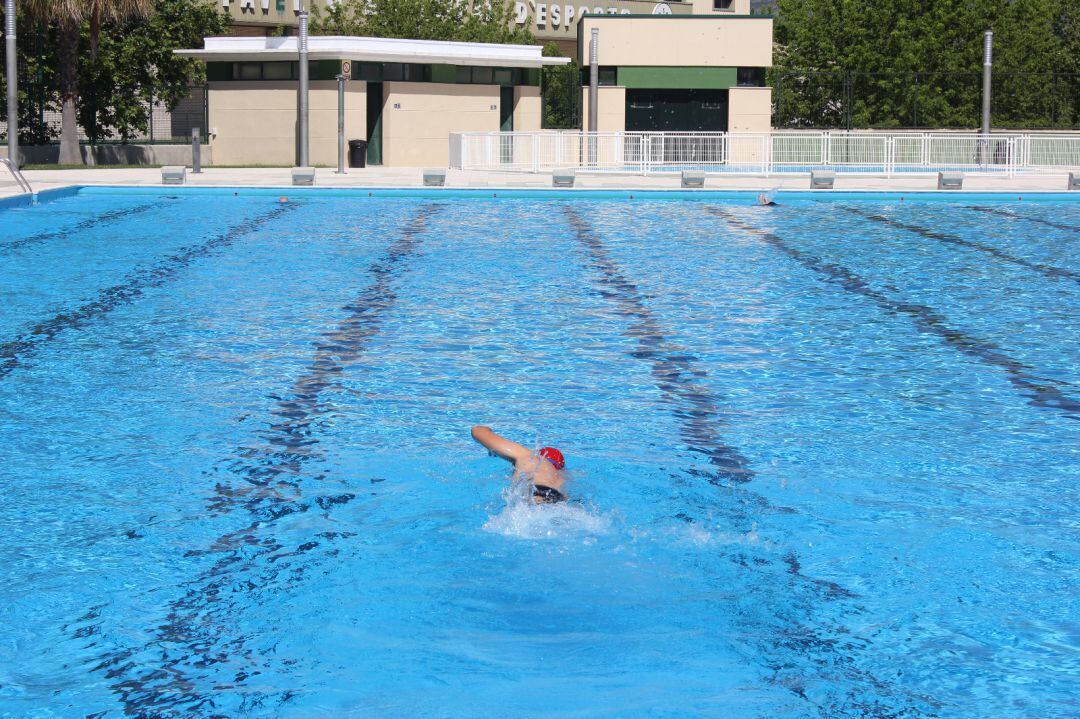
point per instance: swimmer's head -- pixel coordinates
(553, 455)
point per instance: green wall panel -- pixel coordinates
(678, 78)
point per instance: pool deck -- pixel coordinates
(412, 177)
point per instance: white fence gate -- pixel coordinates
(866, 153)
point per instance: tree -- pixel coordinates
(561, 85)
(889, 63)
(479, 21)
(136, 66)
(68, 17)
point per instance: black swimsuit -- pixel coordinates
(548, 495)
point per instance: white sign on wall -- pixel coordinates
(554, 15)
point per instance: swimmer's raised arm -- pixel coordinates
(500, 445)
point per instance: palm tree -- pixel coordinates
(69, 16)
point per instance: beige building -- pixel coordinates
(703, 72)
(404, 97)
(663, 72)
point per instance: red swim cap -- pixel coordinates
(553, 455)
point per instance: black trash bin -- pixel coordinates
(357, 153)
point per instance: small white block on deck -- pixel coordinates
(693, 179)
(173, 175)
(1074, 181)
(562, 178)
(950, 180)
(822, 179)
(303, 176)
(434, 177)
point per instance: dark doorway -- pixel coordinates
(506, 123)
(506, 108)
(374, 123)
(676, 110)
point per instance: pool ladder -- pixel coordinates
(24, 185)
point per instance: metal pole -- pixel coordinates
(12, 82)
(303, 120)
(196, 152)
(594, 81)
(341, 124)
(594, 93)
(988, 51)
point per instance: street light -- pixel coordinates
(12, 82)
(303, 120)
(988, 63)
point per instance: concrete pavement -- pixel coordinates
(412, 177)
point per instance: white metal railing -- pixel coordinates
(869, 153)
(21, 181)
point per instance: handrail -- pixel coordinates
(22, 182)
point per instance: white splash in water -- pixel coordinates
(522, 518)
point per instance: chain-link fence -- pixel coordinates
(809, 99)
(40, 121)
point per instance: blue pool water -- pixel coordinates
(824, 457)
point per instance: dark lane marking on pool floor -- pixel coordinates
(103, 218)
(1055, 273)
(674, 370)
(698, 415)
(1040, 391)
(1026, 218)
(137, 282)
(291, 435)
(187, 637)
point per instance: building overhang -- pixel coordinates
(372, 49)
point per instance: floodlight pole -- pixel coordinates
(12, 82)
(302, 124)
(988, 62)
(594, 91)
(341, 124)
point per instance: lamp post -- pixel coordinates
(302, 125)
(594, 92)
(988, 63)
(12, 82)
(341, 123)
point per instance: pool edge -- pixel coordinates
(563, 193)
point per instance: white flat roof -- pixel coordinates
(372, 49)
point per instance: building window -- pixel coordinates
(247, 71)
(376, 72)
(606, 76)
(277, 71)
(721, 5)
(369, 72)
(751, 77)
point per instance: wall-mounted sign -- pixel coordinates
(555, 20)
(558, 21)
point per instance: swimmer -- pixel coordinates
(764, 200)
(544, 469)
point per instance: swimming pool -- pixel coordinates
(824, 456)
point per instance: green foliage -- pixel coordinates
(136, 65)
(38, 79)
(561, 88)
(892, 63)
(479, 21)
